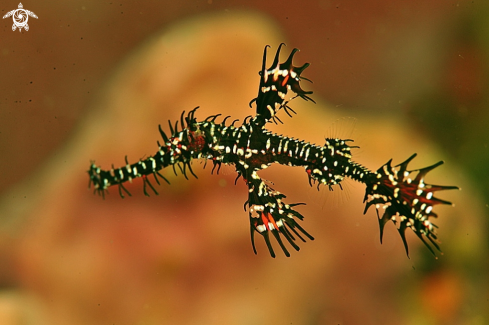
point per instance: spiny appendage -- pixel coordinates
(274, 85)
(269, 214)
(177, 150)
(407, 202)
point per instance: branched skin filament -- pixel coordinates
(250, 147)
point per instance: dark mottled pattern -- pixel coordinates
(250, 147)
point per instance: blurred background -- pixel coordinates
(91, 80)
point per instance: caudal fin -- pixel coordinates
(408, 202)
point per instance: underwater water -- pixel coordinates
(92, 81)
